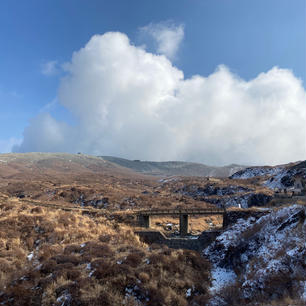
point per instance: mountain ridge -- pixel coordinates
(170, 168)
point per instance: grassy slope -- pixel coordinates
(89, 261)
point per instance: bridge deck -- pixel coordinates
(192, 211)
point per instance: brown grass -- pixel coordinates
(89, 260)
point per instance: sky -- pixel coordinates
(211, 81)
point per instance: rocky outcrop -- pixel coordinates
(264, 259)
(228, 196)
(231, 217)
(201, 193)
(259, 199)
(251, 172)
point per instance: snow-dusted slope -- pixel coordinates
(275, 177)
(285, 177)
(226, 196)
(256, 171)
(261, 260)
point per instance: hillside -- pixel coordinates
(68, 223)
(52, 257)
(171, 168)
(261, 260)
(57, 165)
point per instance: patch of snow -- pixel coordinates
(65, 298)
(188, 293)
(91, 273)
(241, 201)
(30, 256)
(256, 171)
(88, 266)
(136, 294)
(38, 267)
(221, 278)
(255, 249)
(304, 291)
(275, 180)
(168, 180)
(193, 237)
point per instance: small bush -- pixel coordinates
(36, 210)
(134, 259)
(73, 248)
(62, 259)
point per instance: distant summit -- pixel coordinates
(170, 168)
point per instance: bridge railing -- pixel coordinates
(189, 211)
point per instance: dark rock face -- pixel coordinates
(231, 217)
(287, 181)
(198, 193)
(229, 196)
(259, 199)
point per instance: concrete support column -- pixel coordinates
(144, 221)
(184, 225)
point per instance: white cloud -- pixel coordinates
(49, 68)
(45, 134)
(6, 145)
(49, 106)
(131, 103)
(168, 37)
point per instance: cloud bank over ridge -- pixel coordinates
(131, 103)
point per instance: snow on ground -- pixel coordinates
(272, 246)
(220, 278)
(30, 256)
(304, 291)
(256, 171)
(65, 298)
(240, 201)
(169, 179)
(275, 181)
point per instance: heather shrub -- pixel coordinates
(105, 238)
(97, 249)
(48, 266)
(37, 210)
(134, 259)
(72, 248)
(144, 277)
(62, 259)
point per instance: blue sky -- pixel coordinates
(248, 37)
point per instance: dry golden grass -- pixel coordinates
(89, 260)
(197, 224)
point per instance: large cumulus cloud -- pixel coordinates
(131, 103)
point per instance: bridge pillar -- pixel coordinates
(184, 224)
(144, 221)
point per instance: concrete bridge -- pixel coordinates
(144, 216)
